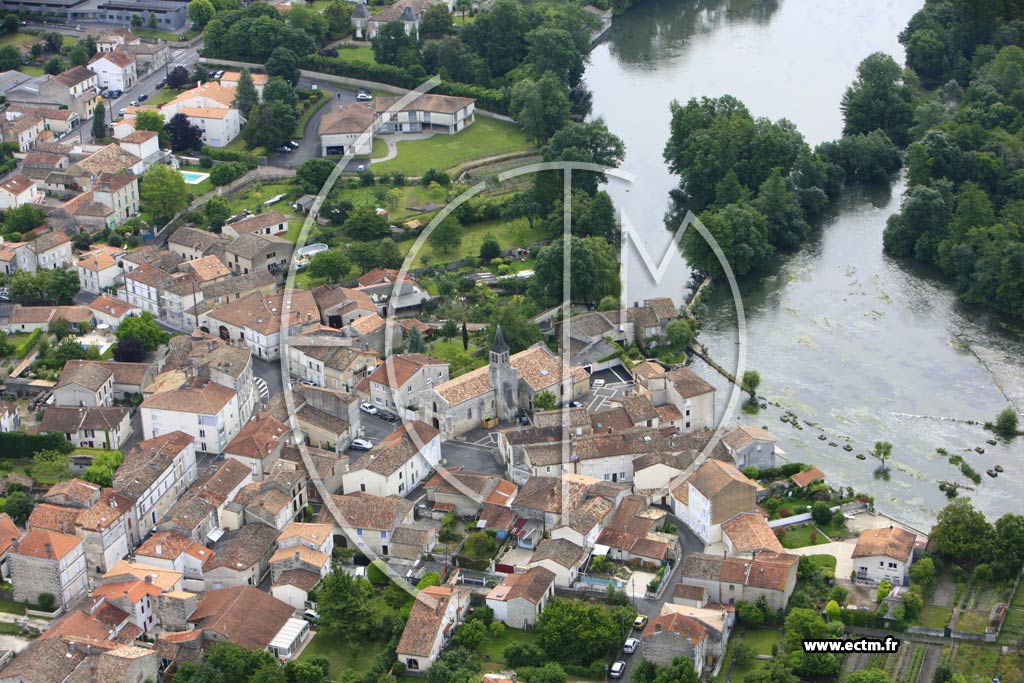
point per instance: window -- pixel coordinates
(202, 433)
(892, 565)
(383, 534)
(359, 532)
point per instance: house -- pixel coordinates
(632, 534)
(388, 288)
(9, 533)
(751, 447)
(269, 223)
(675, 635)
(328, 467)
(129, 378)
(175, 552)
(48, 251)
(241, 557)
(807, 477)
(144, 144)
(728, 580)
(748, 533)
(254, 252)
(149, 56)
(214, 359)
(155, 473)
(21, 129)
(884, 555)
(258, 444)
(584, 525)
(212, 495)
(299, 558)
(397, 463)
(256, 320)
(115, 39)
(98, 271)
(103, 528)
(436, 613)
(48, 562)
(83, 383)
(317, 537)
(367, 521)
(546, 500)
(294, 586)
(192, 243)
(561, 557)
(520, 598)
(347, 130)
(230, 80)
(712, 495)
(203, 409)
(144, 286)
(251, 618)
(18, 190)
(110, 311)
(328, 418)
(99, 427)
(115, 70)
(465, 493)
(276, 501)
(136, 597)
(692, 396)
(412, 542)
(208, 106)
(341, 306)
(327, 358)
(74, 89)
(428, 112)
(404, 380)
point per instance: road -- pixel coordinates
(309, 147)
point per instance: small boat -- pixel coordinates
(991, 442)
(833, 444)
(998, 468)
(861, 456)
(992, 473)
(847, 448)
(821, 437)
(979, 450)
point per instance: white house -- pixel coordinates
(97, 271)
(347, 130)
(205, 410)
(156, 472)
(560, 556)
(115, 70)
(18, 190)
(102, 427)
(398, 463)
(48, 562)
(209, 107)
(436, 613)
(520, 598)
(712, 495)
(885, 553)
(255, 320)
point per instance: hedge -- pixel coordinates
(861, 618)
(222, 174)
(20, 445)
(250, 160)
(489, 99)
(23, 349)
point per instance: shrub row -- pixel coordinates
(19, 445)
(23, 349)
(219, 154)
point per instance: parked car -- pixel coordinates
(284, 149)
(640, 621)
(121, 112)
(597, 383)
(363, 97)
(361, 445)
(161, 84)
(311, 616)
(368, 408)
(618, 668)
(387, 417)
(143, 98)
(294, 145)
(314, 87)
(574, 404)
(219, 75)
(631, 645)
(114, 94)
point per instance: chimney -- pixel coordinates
(149, 578)
(49, 550)
(159, 550)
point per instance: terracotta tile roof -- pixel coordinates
(396, 449)
(83, 373)
(110, 159)
(686, 591)
(139, 137)
(117, 58)
(44, 544)
(300, 578)
(207, 268)
(194, 238)
(242, 614)
(749, 531)
(68, 420)
(9, 532)
(17, 184)
(560, 550)
(683, 626)
(539, 367)
(147, 460)
(367, 324)
(32, 314)
(165, 544)
(247, 547)
(352, 118)
(303, 553)
(364, 511)
(688, 383)
(258, 222)
(465, 387)
(593, 512)
(113, 307)
(715, 475)
(767, 570)
(442, 104)
(110, 508)
(895, 542)
(50, 517)
(401, 368)
(503, 494)
(744, 435)
(311, 533)
(639, 408)
(425, 621)
(258, 438)
(165, 579)
(74, 76)
(132, 590)
(217, 486)
(550, 494)
(531, 586)
(416, 536)
(377, 276)
(263, 313)
(497, 517)
(807, 477)
(97, 262)
(199, 396)
(248, 246)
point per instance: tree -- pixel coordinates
(574, 632)
(470, 634)
(750, 614)
(217, 210)
(465, 337)
(446, 235)
(177, 77)
(962, 533)
(363, 223)
(499, 36)
(871, 675)
(307, 671)
(392, 45)
(545, 400)
(832, 610)
(522, 205)
(523, 654)
(339, 18)
(552, 51)
(479, 544)
(279, 90)
(149, 120)
(18, 506)
(79, 54)
(878, 99)
(414, 343)
(1008, 553)
(54, 41)
(343, 604)
(129, 350)
(183, 134)
(54, 66)
(283, 63)
(742, 234)
(821, 512)
(144, 329)
(922, 573)
(331, 265)
(99, 121)
(1006, 423)
(24, 218)
(680, 331)
(312, 174)
(61, 285)
(101, 471)
(490, 249)
(10, 58)
(270, 124)
(11, 23)
(882, 451)
(163, 191)
(679, 671)
(151, 22)
(743, 655)
(429, 579)
(246, 96)
(780, 205)
(751, 381)
(436, 21)
(541, 106)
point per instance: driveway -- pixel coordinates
(470, 456)
(841, 550)
(309, 145)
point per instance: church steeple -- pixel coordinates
(499, 345)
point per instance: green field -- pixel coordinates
(934, 617)
(450, 350)
(356, 53)
(16, 39)
(162, 96)
(800, 537)
(512, 233)
(972, 621)
(485, 138)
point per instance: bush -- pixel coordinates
(224, 173)
(47, 601)
(20, 445)
(376, 575)
(884, 588)
(251, 161)
(205, 162)
(821, 513)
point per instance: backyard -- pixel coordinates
(509, 233)
(761, 640)
(485, 138)
(451, 351)
(811, 534)
(983, 663)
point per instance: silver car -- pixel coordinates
(630, 646)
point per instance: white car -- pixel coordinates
(361, 445)
(368, 408)
(597, 383)
(617, 669)
(630, 646)
(364, 97)
(314, 87)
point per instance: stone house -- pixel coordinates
(751, 446)
(258, 444)
(48, 562)
(436, 613)
(675, 635)
(520, 598)
(155, 473)
(728, 580)
(367, 522)
(562, 558)
(100, 427)
(398, 463)
(712, 495)
(884, 554)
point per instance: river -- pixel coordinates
(866, 347)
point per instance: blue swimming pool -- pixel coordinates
(193, 178)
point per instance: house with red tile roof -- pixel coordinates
(45, 561)
(436, 613)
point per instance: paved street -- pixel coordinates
(470, 456)
(309, 146)
(270, 372)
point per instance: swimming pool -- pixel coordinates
(193, 178)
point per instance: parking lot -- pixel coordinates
(616, 381)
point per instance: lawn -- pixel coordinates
(800, 537)
(31, 70)
(321, 100)
(462, 361)
(356, 53)
(240, 145)
(1013, 627)
(356, 656)
(485, 138)
(12, 607)
(162, 96)
(972, 621)
(493, 649)
(154, 33)
(201, 188)
(380, 149)
(934, 617)
(981, 663)
(761, 640)
(254, 196)
(16, 39)
(514, 233)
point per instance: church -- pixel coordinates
(504, 388)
